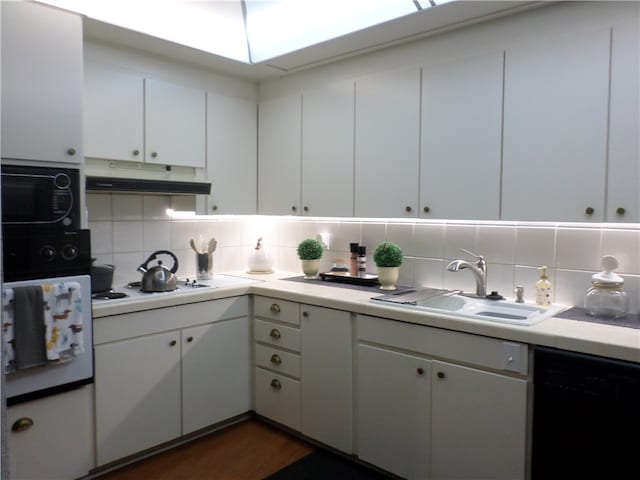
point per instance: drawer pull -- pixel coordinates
(441, 375)
(275, 333)
(189, 339)
(420, 371)
(172, 343)
(275, 308)
(275, 384)
(275, 359)
(22, 424)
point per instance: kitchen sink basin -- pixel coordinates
(470, 306)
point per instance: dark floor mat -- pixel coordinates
(322, 465)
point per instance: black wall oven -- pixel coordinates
(46, 288)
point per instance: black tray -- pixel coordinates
(367, 279)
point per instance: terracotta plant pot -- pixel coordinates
(388, 277)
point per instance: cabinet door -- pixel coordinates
(137, 386)
(327, 150)
(59, 442)
(461, 139)
(387, 140)
(279, 144)
(41, 83)
(393, 409)
(232, 159)
(326, 376)
(555, 129)
(174, 124)
(623, 201)
(478, 424)
(113, 113)
(215, 373)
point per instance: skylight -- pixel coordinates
(249, 31)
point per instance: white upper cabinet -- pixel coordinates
(461, 139)
(624, 153)
(279, 146)
(327, 150)
(113, 113)
(231, 154)
(41, 83)
(174, 124)
(387, 141)
(555, 128)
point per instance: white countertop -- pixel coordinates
(593, 338)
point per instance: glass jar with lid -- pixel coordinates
(606, 297)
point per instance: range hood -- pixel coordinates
(136, 185)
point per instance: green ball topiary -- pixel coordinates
(387, 254)
(310, 249)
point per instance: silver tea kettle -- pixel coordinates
(158, 278)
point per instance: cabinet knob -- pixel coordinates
(305, 314)
(189, 339)
(426, 209)
(275, 384)
(294, 208)
(275, 308)
(620, 211)
(407, 209)
(275, 359)
(154, 154)
(214, 207)
(440, 375)
(275, 333)
(136, 152)
(589, 210)
(172, 343)
(22, 424)
(305, 208)
(71, 152)
(420, 371)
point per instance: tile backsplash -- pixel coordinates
(125, 229)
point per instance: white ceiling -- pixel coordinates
(266, 59)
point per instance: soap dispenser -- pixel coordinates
(607, 297)
(544, 289)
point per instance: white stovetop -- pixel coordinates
(597, 339)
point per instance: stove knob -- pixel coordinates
(69, 252)
(47, 253)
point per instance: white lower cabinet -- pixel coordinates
(161, 374)
(52, 437)
(303, 356)
(422, 418)
(393, 411)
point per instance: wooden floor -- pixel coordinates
(250, 450)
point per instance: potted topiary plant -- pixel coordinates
(388, 258)
(310, 251)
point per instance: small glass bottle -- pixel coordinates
(353, 259)
(606, 297)
(362, 260)
(544, 289)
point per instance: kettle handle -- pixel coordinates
(173, 269)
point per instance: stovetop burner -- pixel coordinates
(108, 295)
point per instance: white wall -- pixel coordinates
(127, 228)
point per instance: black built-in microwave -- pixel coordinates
(40, 199)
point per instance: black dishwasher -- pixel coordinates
(586, 417)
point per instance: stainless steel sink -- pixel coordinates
(469, 306)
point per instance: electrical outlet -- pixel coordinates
(325, 239)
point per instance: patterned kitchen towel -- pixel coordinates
(61, 320)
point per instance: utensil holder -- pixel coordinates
(204, 266)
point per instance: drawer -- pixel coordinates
(278, 360)
(277, 335)
(278, 398)
(274, 309)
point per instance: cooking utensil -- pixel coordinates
(158, 278)
(212, 246)
(192, 243)
(101, 278)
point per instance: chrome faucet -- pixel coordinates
(478, 268)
